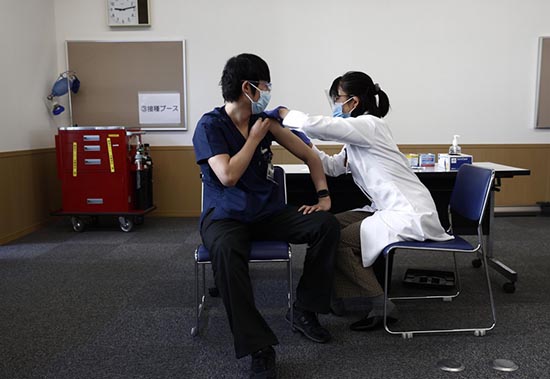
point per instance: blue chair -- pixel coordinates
(261, 252)
(469, 199)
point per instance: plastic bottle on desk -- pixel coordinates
(455, 148)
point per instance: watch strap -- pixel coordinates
(323, 193)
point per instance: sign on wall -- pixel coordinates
(159, 108)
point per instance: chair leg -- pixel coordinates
(486, 266)
(195, 329)
(457, 279)
(290, 290)
(199, 300)
(388, 261)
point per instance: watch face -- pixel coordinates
(123, 12)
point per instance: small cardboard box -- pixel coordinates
(426, 160)
(413, 159)
(453, 162)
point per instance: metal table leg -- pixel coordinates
(494, 263)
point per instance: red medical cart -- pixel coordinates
(104, 171)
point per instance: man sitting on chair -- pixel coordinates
(232, 146)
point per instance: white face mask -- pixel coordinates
(260, 105)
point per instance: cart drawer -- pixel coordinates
(96, 193)
(93, 151)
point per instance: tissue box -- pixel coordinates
(426, 160)
(453, 162)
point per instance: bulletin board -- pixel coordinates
(122, 80)
(543, 85)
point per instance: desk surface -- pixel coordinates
(502, 171)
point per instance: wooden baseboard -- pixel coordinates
(30, 191)
(22, 232)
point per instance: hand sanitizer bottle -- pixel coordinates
(455, 149)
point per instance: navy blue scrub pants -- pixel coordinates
(228, 242)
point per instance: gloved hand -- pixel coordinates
(274, 114)
(302, 136)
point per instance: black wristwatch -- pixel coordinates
(323, 193)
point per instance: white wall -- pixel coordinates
(450, 67)
(28, 66)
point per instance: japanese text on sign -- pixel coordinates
(159, 108)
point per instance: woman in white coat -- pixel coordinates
(402, 207)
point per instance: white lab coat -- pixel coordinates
(403, 207)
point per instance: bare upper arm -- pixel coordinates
(220, 165)
(290, 141)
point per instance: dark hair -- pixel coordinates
(333, 91)
(240, 68)
(359, 84)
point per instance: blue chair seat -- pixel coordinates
(456, 244)
(260, 251)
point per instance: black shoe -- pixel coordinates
(371, 322)
(306, 322)
(263, 364)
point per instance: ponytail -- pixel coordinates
(361, 85)
(383, 104)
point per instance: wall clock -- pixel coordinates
(128, 12)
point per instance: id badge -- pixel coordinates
(270, 172)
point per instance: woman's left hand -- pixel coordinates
(323, 205)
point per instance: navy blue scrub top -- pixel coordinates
(254, 196)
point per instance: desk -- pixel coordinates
(345, 195)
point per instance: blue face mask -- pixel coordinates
(260, 105)
(337, 110)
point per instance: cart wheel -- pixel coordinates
(126, 224)
(138, 220)
(476, 263)
(78, 224)
(509, 287)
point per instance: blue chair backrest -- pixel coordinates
(471, 191)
